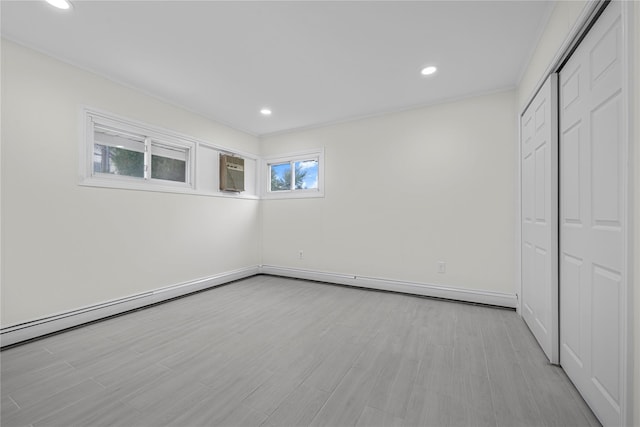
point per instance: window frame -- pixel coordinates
(292, 158)
(152, 137)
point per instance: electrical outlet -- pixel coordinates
(300, 254)
(442, 267)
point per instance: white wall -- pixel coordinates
(66, 246)
(562, 20)
(403, 191)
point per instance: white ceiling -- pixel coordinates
(311, 62)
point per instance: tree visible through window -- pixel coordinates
(297, 175)
(280, 177)
(127, 162)
(118, 152)
(168, 162)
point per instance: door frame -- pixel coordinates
(584, 22)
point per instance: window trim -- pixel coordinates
(258, 188)
(291, 158)
(152, 136)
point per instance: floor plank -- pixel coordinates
(299, 408)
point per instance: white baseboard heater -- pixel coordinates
(25, 331)
(20, 332)
(424, 289)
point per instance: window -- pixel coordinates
(129, 155)
(168, 163)
(295, 176)
(280, 176)
(299, 175)
(118, 153)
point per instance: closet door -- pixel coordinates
(539, 189)
(592, 218)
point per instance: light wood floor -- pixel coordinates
(279, 352)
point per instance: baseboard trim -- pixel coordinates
(424, 289)
(24, 331)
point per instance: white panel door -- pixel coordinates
(592, 219)
(539, 189)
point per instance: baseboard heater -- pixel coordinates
(25, 331)
(498, 299)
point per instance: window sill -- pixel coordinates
(298, 194)
(177, 188)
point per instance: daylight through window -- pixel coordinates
(297, 175)
(121, 151)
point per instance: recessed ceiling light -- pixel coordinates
(265, 112)
(427, 71)
(60, 4)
